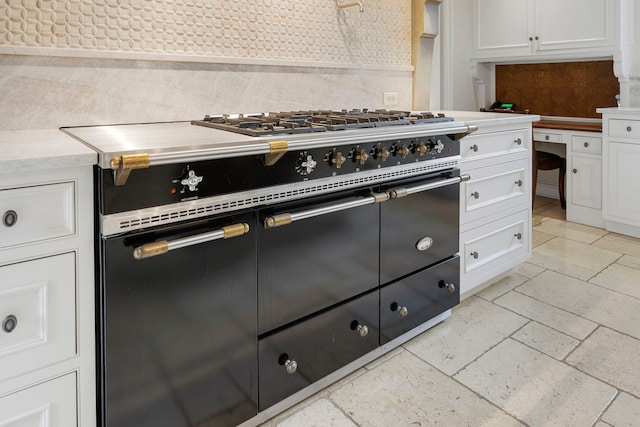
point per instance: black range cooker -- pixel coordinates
(243, 258)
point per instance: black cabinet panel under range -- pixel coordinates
(178, 330)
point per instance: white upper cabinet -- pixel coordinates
(531, 28)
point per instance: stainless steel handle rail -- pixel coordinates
(123, 165)
(402, 192)
(162, 247)
(287, 218)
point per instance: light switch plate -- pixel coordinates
(390, 98)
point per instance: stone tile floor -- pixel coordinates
(556, 343)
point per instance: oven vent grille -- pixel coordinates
(129, 221)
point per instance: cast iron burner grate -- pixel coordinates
(310, 121)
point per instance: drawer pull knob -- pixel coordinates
(9, 323)
(448, 286)
(518, 141)
(575, 170)
(475, 195)
(586, 144)
(474, 254)
(10, 218)
(518, 236)
(362, 330)
(519, 183)
(546, 137)
(474, 147)
(628, 128)
(402, 311)
(290, 365)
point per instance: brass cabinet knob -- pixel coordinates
(448, 286)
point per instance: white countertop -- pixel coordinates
(51, 148)
(42, 149)
(622, 111)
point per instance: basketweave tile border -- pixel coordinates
(262, 32)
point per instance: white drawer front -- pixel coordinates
(624, 128)
(486, 246)
(547, 137)
(493, 189)
(37, 313)
(50, 404)
(32, 214)
(586, 144)
(486, 145)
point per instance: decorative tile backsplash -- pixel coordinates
(291, 30)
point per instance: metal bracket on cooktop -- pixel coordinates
(123, 165)
(276, 151)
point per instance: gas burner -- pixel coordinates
(293, 122)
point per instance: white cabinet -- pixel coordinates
(621, 128)
(495, 204)
(47, 327)
(584, 178)
(507, 28)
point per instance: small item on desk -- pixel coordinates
(504, 107)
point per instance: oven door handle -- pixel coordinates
(162, 247)
(287, 218)
(402, 191)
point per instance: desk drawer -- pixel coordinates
(50, 404)
(586, 144)
(547, 137)
(32, 214)
(37, 314)
(624, 128)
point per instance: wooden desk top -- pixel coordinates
(578, 126)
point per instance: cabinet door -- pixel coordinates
(623, 204)
(573, 24)
(52, 403)
(586, 182)
(497, 36)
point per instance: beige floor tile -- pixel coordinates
(321, 413)
(572, 258)
(612, 357)
(602, 424)
(570, 230)
(529, 270)
(409, 392)
(538, 237)
(620, 243)
(552, 210)
(624, 411)
(619, 278)
(547, 340)
(548, 315)
(536, 388)
(629, 261)
(474, 327)
(502, 286)
(592, 302)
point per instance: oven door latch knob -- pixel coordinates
(402, 311)
(191, 180)
(362, 330)
(448, 286)
(290, 365)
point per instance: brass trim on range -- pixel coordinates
(235, 230)
(151, 249)
(123, 165)
(278, 220)
(276, 151)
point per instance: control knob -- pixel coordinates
(382, 153)
(336, 159)
(361, 156)
(439, 146)
(306, 164)
(402, 151)
(421, 149)
(191, 180)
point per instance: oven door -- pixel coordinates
(315, 254)
(177, 325)
(420, 226)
